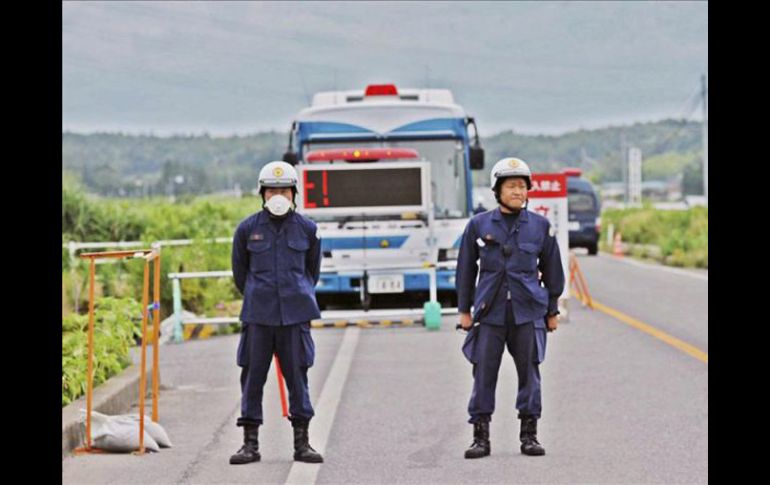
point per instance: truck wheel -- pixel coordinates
(593, 249)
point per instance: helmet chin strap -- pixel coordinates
(512, 209)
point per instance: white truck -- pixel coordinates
(386, 174)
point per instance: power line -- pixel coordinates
(691, 104)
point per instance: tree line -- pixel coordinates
(115, 164)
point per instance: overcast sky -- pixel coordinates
(243, 67)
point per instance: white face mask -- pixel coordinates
(278, 205)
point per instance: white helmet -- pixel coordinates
(510, 167)
(277, 174)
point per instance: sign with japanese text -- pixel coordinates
(548, 198)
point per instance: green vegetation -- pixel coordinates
(117, 323)
(89, 218)
(682, 236)
(118, 286)
(131, 166)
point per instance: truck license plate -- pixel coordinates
(386, 284)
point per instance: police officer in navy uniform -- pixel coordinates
(513, 305)
(276, 263)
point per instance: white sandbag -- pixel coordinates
(155, 429)
(117, 435)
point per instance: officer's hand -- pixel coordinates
(553, 322)
(466, 321)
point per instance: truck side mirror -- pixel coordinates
(290, 156)
(476, 152)
(476, 158)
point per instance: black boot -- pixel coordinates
(528, 437)
(302, 449)
(480, 446)
(249, 452)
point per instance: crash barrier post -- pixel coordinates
(149, 255)
(577, 282)
(432, 307)
(179, 321)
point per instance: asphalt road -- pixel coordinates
(620, 406)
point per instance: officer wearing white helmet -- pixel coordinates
(276, 262)
(511, 305)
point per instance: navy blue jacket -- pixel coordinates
(531, 247)
(277, 271)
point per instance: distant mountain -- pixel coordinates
(598, 152)
(129, 165)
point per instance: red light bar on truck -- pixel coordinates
(572, 172)
(361, 154)
(381, 90)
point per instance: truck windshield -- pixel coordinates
(446, 157)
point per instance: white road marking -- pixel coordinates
(326, 408)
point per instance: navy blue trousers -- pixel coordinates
(296, 352)
(526, 344)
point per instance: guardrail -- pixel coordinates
(180, 321)
(74, 247)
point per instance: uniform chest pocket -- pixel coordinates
(298, 248)
(491, 256)
(527, 257)
(529, 248)
(259, 256)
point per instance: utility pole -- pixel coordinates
(635, 176)
(704, 94)
(624, 167)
